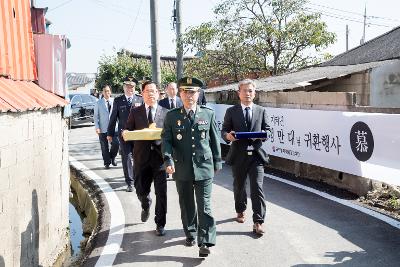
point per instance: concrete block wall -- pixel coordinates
(359, 83)
(34, 187)
(308, 100)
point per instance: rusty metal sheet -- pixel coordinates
(38, 20)
(17, 59)
(19, 96)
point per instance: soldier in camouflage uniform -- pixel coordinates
(192, 153)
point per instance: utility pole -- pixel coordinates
(179, 45)
(365, 23)
(347, 37)
(155, 53)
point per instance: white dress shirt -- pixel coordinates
(153, 111)
(250, 110)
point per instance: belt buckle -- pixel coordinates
(249, 153)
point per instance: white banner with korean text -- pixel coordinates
(363, 144)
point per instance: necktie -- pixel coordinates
(172, 103)
(108, 106)
(247, 118)
(150, 116)
(191, 116)
(129, 101)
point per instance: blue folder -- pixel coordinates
(249, 135)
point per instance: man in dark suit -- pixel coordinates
(192, 153)
(247, 156)
(120, 112)
(147, 156)
(172, 100)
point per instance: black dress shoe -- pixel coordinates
(160, 231)
(107, 166)
(129, 188)
(204, 251)
(258, 229)
(144, 216)
(190, 242)
(113, 162)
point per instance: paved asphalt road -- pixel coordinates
(302, 229)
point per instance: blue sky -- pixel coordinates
(97, 27)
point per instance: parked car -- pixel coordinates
(82, 108)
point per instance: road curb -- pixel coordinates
(107, 237)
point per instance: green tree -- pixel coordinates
(167, 75)
(248, 35)
(113, 69)
(222, 50)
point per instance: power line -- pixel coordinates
(383, 18)
(90, 38)
(332, 14)
(113, 5)
(94, 38)
(354, 13)
(100, 3)
(60, 5)
(337, 16)
(341, 10)
(119, 9)
(134, 22)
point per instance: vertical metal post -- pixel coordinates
(155, 52)
(347, 37)
(365, 23)
(179, 45)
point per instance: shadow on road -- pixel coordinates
(140, 246)
(343, 258)
(356, 227)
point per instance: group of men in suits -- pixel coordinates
(190, 151)
(120, 111)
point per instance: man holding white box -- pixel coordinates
(147, 157)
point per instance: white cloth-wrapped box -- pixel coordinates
(145, 134)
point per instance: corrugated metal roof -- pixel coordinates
(18, 96)
(383, 47)
(17, 60)
(303, 78)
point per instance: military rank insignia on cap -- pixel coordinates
(130, 80)
(190, 84)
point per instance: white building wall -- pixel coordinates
(385, 86)
(34, 187)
